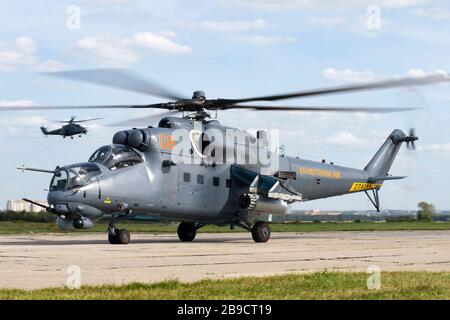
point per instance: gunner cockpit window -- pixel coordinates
(75, 176)
(116, 157)
(59, 181)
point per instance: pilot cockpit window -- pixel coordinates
(101, 154)
(116, 157)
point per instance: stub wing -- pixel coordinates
(270, 186)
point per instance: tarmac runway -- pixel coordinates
(41, 261)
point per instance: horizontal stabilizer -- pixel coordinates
(383, 178)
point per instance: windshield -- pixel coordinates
(116, 157)
(59, 181)
(74, 177)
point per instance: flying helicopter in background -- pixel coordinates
(197, 171)
(70, 129)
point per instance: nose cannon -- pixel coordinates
(77, 223)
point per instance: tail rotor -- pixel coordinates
(410, 139)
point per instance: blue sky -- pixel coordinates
(233, 48)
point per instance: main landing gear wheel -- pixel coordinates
(187, 231)
(261, 232)
(120, 236)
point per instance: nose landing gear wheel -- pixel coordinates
(260, 232)
(120, 236)
(187, 231)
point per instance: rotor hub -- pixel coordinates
(199, 115)
(199, 95)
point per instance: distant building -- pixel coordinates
(317, 212)
(20, 206)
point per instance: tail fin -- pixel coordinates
(382, 160)
(44, 131)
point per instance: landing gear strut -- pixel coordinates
(117, 236)
(375, 198)
(188, 230)
(260, 230)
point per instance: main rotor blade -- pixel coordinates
(143, 121)
(117, 78)
(78, 121)
(392, 83)
(59, 121)
(326, 109)
(34, 108)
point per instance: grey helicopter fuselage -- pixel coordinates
(182, 170)
(68, 130)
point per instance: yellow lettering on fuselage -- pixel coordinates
(335, 175)
(362, 186)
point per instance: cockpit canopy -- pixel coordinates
(75, 176)
(116, 156)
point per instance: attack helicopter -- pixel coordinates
(197, 171)
(71, 128)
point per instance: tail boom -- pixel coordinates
(382, 161)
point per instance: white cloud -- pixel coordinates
(106, 2)
(12, 103)
(16, 125)
(327, 22)
(114, 50)
(264, 40)
(349, 75)
(416, 72)
(21, 125)
(315, 5)
(26, 44)
(353, 76)
(110, 49)
(158, 42)
(439, 149)
(433, 13)
(225, 26)
(345, 138)
(22, 52)
(23, 121)
(50, 65)
(352, 23)
(167, 33)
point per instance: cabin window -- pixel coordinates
(187, 177)
(200, 179)
(216, 181)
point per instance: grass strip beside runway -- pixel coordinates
(21, 227)
(321, 285)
